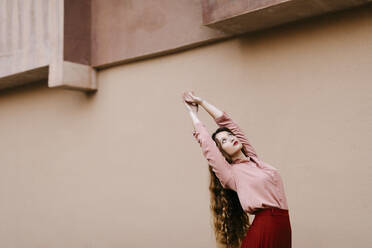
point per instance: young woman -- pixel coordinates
(240, 184)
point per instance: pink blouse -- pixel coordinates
(258, 184)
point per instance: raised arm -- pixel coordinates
(213, 155)
(210, 151)
(222, 119)
(225, 121)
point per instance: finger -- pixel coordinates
(184, 95)
(187, 105)
(190, 96)
(188, 99)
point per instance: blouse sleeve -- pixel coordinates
(213, 155)
(225, 121)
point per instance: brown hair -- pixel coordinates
(230, 221)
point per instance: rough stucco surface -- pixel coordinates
(121, 168)
(127, 30)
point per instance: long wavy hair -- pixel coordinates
(230, 221)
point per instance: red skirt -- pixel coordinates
(270, 228)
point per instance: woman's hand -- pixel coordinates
(192, 107)
(191, 98)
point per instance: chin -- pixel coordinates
(236, 150)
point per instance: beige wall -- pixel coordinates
(121, 169)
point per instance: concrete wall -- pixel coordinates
(28, 39)
(46, 39)
(121, 169)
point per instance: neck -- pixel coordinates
(238, 155)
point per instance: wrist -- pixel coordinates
(192, 113)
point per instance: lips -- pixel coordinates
(235, 143)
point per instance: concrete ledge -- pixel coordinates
(66, 75)
(74, 76)
(241, 16)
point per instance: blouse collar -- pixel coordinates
(240, 160)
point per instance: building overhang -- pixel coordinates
(242, 16)
(49, 42)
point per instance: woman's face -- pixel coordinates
(230, 143)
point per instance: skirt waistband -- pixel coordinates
(271, 211)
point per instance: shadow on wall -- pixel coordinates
(26, 87)
(37, 86)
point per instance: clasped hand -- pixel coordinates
(191, 101)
